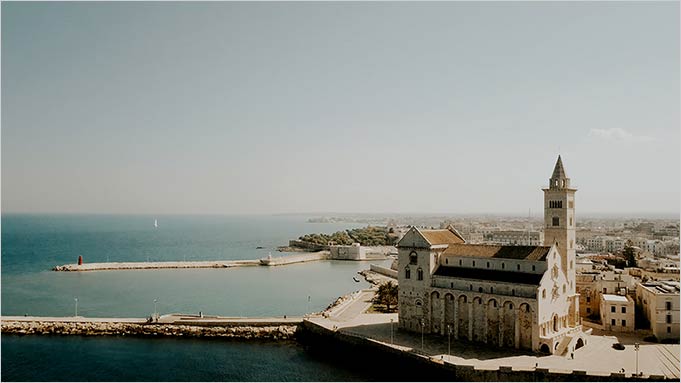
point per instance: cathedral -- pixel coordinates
(507, 296)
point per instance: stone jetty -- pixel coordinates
(155, 265)
(298, 258)
(270, 261)
(271, 329)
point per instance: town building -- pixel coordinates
(506, 296)
(353, 252)
(515, 237)
(593, 284)
(659, 302)
(617, 313)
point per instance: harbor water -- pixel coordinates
(33, 244)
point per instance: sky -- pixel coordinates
(260, 108)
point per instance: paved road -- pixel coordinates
(358, 305)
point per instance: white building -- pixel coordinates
(506, 296)
(353, 252)
(617, 313)
(660, 304)
(516, 237)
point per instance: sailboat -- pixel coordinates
(155, 223)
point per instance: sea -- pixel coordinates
(32, 244)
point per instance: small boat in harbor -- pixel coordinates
(155, 223)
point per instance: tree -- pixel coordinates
(387, 295)
(629, 254)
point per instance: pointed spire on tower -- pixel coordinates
(558, 170)
(559, 179)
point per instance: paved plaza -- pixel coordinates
(596, 358)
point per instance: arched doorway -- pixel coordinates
(580, 343)
(545, 348)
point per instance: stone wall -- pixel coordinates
(383, 270)
(287, 331)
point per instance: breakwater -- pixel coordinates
(299, 258)
(270, 261)
(256, 330)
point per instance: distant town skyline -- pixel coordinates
(377, 108)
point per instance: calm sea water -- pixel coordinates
(33, 244)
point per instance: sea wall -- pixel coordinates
(383, 270)
(298, 258)
(287, 331)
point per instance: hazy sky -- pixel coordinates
(338, 107)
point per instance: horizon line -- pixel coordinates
(321, 214)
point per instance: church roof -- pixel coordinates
(558, 170)
(529, 253)
(489, 275)
(446, 236)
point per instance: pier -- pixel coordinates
(269, 261)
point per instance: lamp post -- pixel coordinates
(308, 304)
(636, 347)
(423, 325)
(155, 313)
(75, 299)
(449, 339)
(391, 331)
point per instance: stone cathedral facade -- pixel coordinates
(506, 296)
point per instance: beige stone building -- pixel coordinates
(660, 304)
(506, 296)
(617, 313)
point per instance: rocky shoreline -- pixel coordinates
(280, 332)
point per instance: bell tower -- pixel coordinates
(559, 227)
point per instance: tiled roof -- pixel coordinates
(530, 253)
(558, 170)
(441, 236)
(489, 275)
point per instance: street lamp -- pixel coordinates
(155, 313)
(76, 300)
(423, 325)
(636, 347)
(449, 339)
(391, 331)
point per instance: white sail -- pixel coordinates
(155, 223)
